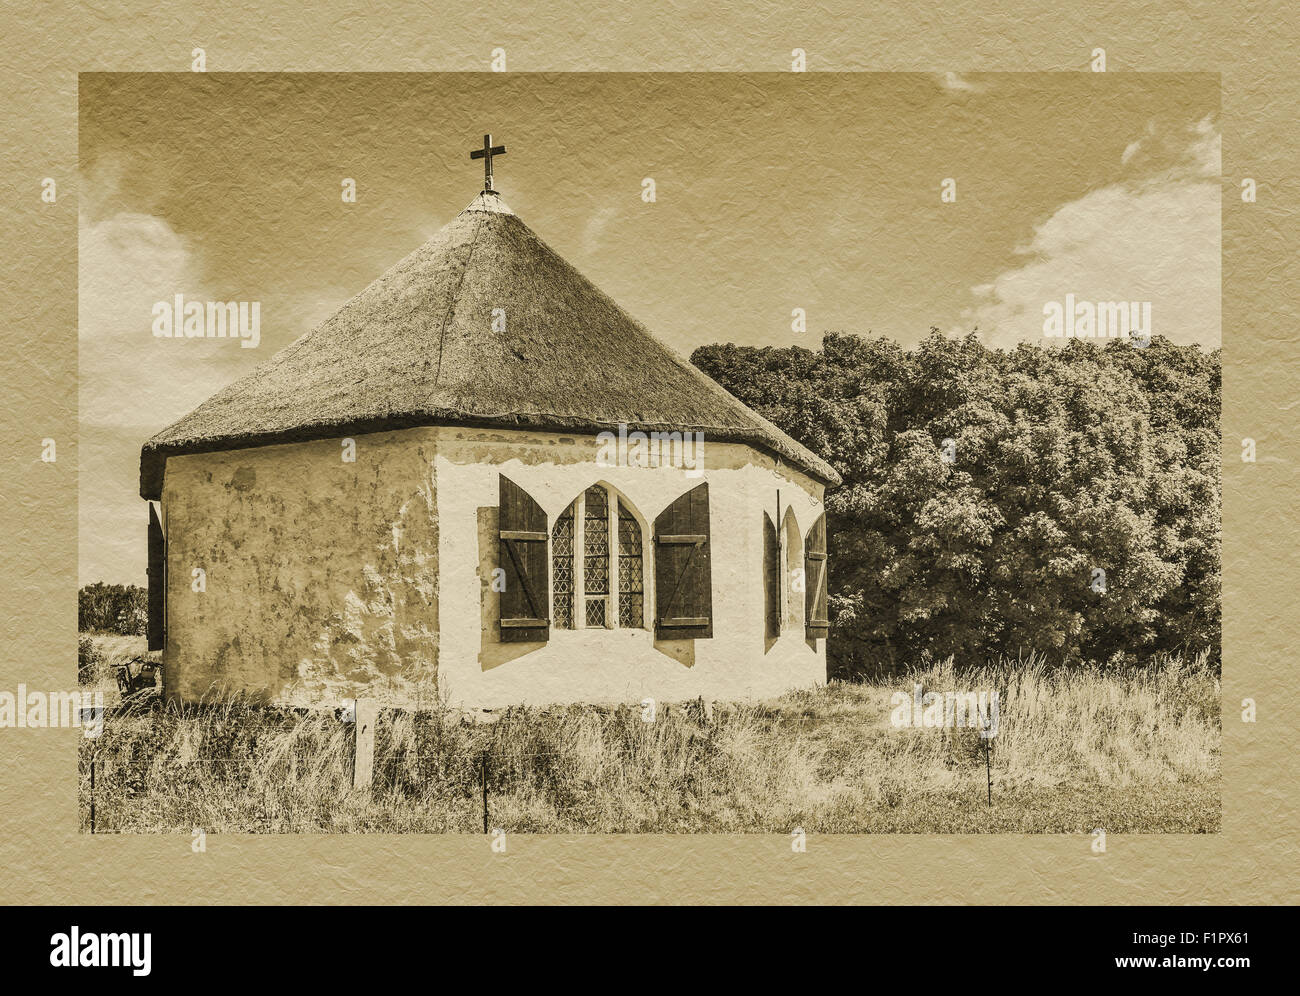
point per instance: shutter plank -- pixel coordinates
(157, 582)
(522, 552)
(683, 568)
(816, 622)
(771, 578)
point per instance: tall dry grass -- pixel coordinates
(99, 670)
(1136, 749)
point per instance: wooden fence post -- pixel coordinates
(363, 758)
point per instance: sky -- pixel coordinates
(773, 191)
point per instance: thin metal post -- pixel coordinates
(988, 769)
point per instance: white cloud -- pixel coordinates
(123, 261)
(1156, 238)
(1205, 154)
(595, 228)
(130, 384)
(129, 379)
(1176, 152)
(955, 81)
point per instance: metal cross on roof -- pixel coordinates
(486, 153)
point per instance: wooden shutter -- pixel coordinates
(771, 578)
(157, 581)
(683, 578)
(522, 549)
(816, 621)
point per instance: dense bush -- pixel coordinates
(89, 659)
(112, 608)
(1064, 462)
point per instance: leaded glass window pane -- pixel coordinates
(595, 541)
(595, 549)
(562, 583)
(631, 589)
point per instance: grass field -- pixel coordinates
(1127, 751)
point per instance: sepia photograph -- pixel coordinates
(649, 453)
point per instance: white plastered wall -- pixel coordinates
(614, 665)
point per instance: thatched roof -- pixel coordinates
(417, 347)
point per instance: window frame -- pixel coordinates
(791, 557)
(613, 616)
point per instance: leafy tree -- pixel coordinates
(112, 608)
(1064, 501)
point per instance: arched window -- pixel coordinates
(588, 591)
(793, 570)
(631, 573)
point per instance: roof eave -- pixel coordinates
(154, 453)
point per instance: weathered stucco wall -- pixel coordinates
(321, 575)
(738, 662)
(322, 579)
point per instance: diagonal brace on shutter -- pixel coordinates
(817, 559)
(696, 542)
(511, 537)
(820, 560)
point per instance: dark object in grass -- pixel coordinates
(136, 675)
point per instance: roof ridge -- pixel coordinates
(451, 305)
